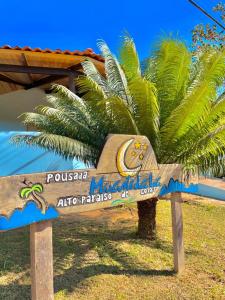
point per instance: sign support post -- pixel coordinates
(177, 228)
(41, 252)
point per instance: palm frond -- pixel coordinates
(42, 123)
(66, 94)
(146, 114)
(129, 59)
(72, 127)
(120, 118)
(94, 98)
(65, 146)
(91, 71)
(195, 107)
(115, 76)
(63, 99)
(171, 66)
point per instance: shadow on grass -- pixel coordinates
(73, 242)
(71, 279)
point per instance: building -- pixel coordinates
(25, 76)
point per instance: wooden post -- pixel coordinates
(41, 261)
(177, 226)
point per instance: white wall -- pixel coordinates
(14, 104)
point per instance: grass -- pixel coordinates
(99, 257)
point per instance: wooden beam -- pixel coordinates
(25, 63)
(49, 79)
(41, 261)
(45, 80)
(36, 70)
(10, 80)
(177, 227)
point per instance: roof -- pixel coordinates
(87, 52)
(26, 67)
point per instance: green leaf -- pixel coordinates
(146, 114)
(117, 202)
(196, 105)
(170, 73)
(37, 187)
(129, 59)
(25, 192)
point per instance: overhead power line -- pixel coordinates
(207, 14)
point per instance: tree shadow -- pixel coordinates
(102, 240)
(74, 241)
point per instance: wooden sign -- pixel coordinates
(127, 172)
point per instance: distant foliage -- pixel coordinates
(204, 35)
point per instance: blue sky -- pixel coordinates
(71, 24)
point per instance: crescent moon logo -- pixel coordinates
(120, 161)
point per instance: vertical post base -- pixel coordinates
(177, 226)
(41, 261)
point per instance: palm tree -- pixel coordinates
(173, 99)
(35, 190)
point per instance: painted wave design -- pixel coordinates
(26, 216)
(177, 186)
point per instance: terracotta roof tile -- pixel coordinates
(88, 52)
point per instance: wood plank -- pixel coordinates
(25, 63)
(177, 228)
(45, 80)
(51, 79)
(120, 177)
(7, 79)
(36, 70)
(41, 261)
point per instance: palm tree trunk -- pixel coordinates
(147, 219)
(42, 202)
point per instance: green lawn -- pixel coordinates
(100, 258)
